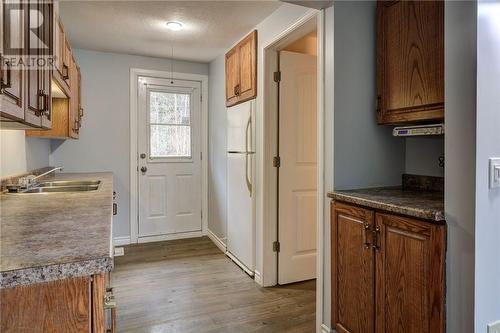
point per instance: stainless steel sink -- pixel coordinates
(52, 189)
(58, 183)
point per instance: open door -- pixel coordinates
(298, 167)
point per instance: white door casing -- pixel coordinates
(170, 187)
(298, 168)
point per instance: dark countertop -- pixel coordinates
(427, 205)
(51, 236)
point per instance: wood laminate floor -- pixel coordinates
(189, 285)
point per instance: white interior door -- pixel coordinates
(169, 161)
(297, 172)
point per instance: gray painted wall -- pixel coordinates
(217, 180)
(460, 150)
(104, 137)
(422, 156)
(487, 278)
(19, 154)
(366, 154)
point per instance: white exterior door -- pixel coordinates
(169, 161)
(297, 172)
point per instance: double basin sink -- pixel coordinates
(58, 186)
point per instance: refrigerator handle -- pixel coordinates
(247, 153)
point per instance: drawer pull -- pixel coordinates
(109, 299)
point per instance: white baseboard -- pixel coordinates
(325, 329)
(183, 235)
(121, 241)
(239, 263)
(258, 278)
(217, 241)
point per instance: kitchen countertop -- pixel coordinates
(51, 236)
(427, 205)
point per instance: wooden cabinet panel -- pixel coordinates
(60, 306)
(410, 61)
(35, 98)
(12, 79)
(241, 71)
(47, 71)
(248, 67)
(352, 269)
(232, 76)
(410, 276)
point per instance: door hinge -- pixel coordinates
(276, 161)
(201, 155)
(277, 76)
(276, 246)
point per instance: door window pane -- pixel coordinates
(170, 124)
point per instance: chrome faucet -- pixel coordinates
(28, 182)
(33, 180)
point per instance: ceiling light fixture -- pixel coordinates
(174, 26)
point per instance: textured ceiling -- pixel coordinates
(139, 27)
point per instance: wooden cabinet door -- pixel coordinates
(58, 306)
(410, 61)
(74, 112)
(247, 50)
(353, 269)
(241, 71)
(34, 78)
(48, 32)
(410, 275)
(11, 79)
(232, 76)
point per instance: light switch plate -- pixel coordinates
(120, 251)
(494, 173)
(494, 327)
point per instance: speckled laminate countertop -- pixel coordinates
(51, 236)
(425, 205)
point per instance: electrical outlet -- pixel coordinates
(120, 251)
(494, 327)
(494, 173)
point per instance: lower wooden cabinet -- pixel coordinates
(388, 272)
(69, 305)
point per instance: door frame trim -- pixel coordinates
(134, 181)
(268, 200)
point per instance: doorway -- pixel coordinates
(169, 157)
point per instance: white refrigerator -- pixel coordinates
(240, 198)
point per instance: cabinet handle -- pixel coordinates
(65, 72)
(41, 103)
(8, 84)
(366, 234)
(237, 90)
(47, 111)
(81, 112)
(76, 126)
(376, 238)
(110, 304)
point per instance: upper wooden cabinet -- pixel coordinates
(25, 89)
(241, 71)
(388, 272)
(410, 61)
(66, 106)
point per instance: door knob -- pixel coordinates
(144, 169)
(143, 156)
